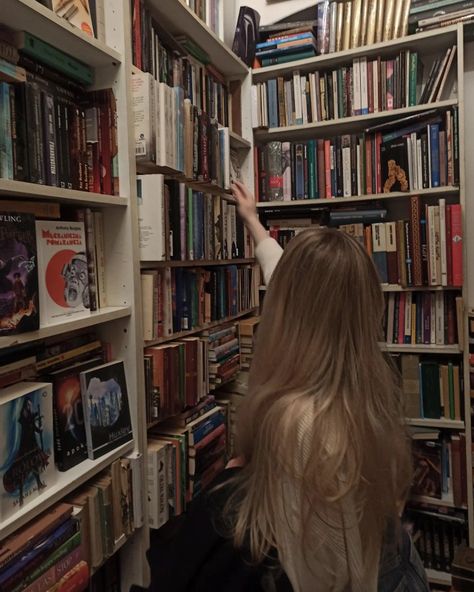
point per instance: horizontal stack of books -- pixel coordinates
(294, 43)
(425, 16)
(247, 333)
(223, 354)
(416, 152)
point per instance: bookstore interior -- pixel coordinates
(124, 356)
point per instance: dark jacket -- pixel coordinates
(191, 555)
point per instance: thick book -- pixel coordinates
(19, 304)
(151, 215)
(62, 270)
(106, 408)
(27, 467)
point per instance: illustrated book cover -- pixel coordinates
(27, 467)
(106, 408)
(19, 311)
(62, 270)
(70, 446)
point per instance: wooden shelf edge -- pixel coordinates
(34, 191)
(438, 577)
(262, 135)
(104, 315)
(446, 502)
(326, 60)
(212, 325)
(239, 142)
(67, 482)
(329, 202)
(420, 348)
(195, 263)
(435, 423)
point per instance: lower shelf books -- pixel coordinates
(180, 299)
(180, 224)
(413, 153)
(436, 535)
(183, 461)
(421, 318)
(432, 389)
(223, 354)
(247, 335)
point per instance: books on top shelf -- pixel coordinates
(210, 12)
(362, 87)
(416, 152)
(178, 299)
(425, 16)
(285, 46)
(179, 224)
(86, 15)
(432, 389)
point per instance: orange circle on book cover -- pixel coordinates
(86, 28)
(55, 281)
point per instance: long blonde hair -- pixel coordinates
(317, 353)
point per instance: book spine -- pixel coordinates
(457, 244)
(434, 153)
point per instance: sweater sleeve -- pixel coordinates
(268, 253)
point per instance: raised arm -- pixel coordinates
(267, 250)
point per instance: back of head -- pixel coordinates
(323, 405)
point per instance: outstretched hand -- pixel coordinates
(245, 202)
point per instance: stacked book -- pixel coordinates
(223, 354)
(366, 86)
(439, 467)
(180, 299)
(179, 224)
(295, 43)
(427, 318)
(425, 16)
(431, 389)
(247, 334)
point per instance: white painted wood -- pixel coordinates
(435, 423)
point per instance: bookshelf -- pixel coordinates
(427, 44)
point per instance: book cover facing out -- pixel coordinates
(18, 274)
(394, 163)
(63, 270)
(106, 408)
(26, 445)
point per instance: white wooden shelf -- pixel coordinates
(31, 16)
(420, 348)
(104, 315)
(66, 482)
(427, 42)
(439, 577)
(238, 142)
(435, 191)
(397, 288)
(445, 502)
(348, 124)
(178, 18)
(435, 423)
(20, 189)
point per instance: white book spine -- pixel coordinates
(375, 75)
(346, 166)
(439, 318)
(297, 97)
(357, 86)
(364, 87)
(442, 235)
(312, 89)
(143, 115)
(304, 103)
(254, 107)
(432, 318)
(408, 302)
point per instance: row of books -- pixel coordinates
(52, 269)
(425, 16)
(211, 12)
(439, 464)
(86, 15)
(427, 318)
(247, 334)
(182, 462)
(355, 23)
(431, 389)
(412, 154)
(437, 535)
(223, 354)
(177, 136)
(179, 224)
(179, 299)
(424, 250)
(281, 48)
(178, 63)
(59, 549)
(366, 86)
(176, 377)
(230, 397)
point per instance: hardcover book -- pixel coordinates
(63, 270)
(18, 274)
(394, 164)
(427, 468)
(26, 452)
(106, 408)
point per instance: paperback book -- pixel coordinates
(63, 270)
(18, 274)
(27, 450)
(107, 412)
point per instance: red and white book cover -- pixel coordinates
(62, 271)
